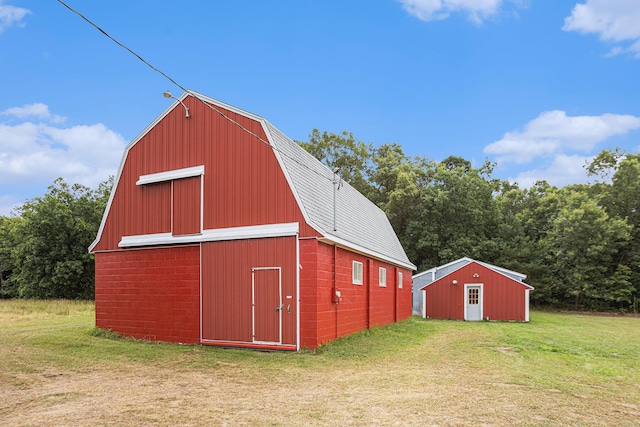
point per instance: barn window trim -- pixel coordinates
(356, 273)
(171, 175)
(382, 277)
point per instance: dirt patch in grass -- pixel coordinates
(380, 392)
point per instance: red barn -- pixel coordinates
(221, 230)
(472, 290)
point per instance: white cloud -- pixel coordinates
(432, 10)
(11, 15)
(37, 110)
(554, 132)
(614, 20)
(563, 170)
(35, 153)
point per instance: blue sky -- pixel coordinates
(537, 86)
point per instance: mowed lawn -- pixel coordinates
(559, 369)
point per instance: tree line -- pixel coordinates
(44, 246)
(577, 244)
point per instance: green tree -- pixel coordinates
(350, 156)
(458, 215)
(50, 257)
(619, 190)
(582, 245)
(7, 243)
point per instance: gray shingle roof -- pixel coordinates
(359, 222)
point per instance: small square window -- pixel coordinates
(474, 296)
(357, 273)
(399, 279)
(383, 277)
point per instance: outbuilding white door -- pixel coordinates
(473, 302)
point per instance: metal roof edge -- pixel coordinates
(329, 238)
(265, 126)
(127, 148)
(431, 270)
(502, 269)
(219, 103)
(483, 265)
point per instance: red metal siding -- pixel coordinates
(243, 182)
(186, 206)
(155, 202)
(227, 283)
(503, 297)
(151, 294)
(504, 300)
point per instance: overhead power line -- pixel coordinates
(163, 74)
(121, 45)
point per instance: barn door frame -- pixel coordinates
(468, 286)
(278, 308)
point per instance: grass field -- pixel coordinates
(559, 369)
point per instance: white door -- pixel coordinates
(267, 305)
(473, 302)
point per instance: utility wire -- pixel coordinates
(195, 95)
(121, 45)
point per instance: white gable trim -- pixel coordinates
(497, 271)
(123, 162)
(215, 235)
(171, 175)
(430, 271)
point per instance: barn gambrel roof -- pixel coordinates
(361, 226)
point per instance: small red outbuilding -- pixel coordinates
(221, 230)
(467, 289)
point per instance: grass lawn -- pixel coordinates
(559, 369)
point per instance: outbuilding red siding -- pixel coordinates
(503, 297)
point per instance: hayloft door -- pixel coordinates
(473, 302)
(267, 304)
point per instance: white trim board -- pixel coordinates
(171, 175)
(215, 235)
(330, 239)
